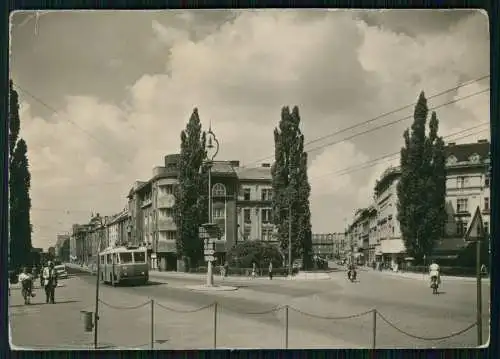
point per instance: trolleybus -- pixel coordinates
(124, 264)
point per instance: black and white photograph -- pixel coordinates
(249, 179)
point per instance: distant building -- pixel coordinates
(328, 244)
(61, 239)
(118, 229)
(467, 186)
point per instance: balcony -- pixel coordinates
(166, 224)
(165, 201)
(146, 202)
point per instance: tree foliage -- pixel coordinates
(422, 187)
(291, 187)
(244, 254)
(19, 185)
(190, 209)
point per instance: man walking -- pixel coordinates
(50, 282)
(270, 270)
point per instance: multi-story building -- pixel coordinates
(151, 210)
(467, 187)
(118, 229)
(77, 242)
(363, 235)
(254, 204)
(328, 244)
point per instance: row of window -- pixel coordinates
(123, 258)
(266, 194)
(266, 215)
(461, 227)
(463, 181)
(463, 205)
(266, 234)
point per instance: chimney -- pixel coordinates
(451, 143)
(235, 163)
(266, 165)
(482, 141)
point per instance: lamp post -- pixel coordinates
(98, 274)
(209, 160)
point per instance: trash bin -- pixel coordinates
(88, 324)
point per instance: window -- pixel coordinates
(461, 228)
(246, 194)
(218, 212)
(461, 205)
(246, 233)
(267, 194)
(267, 234)
(462, 182)
(486, 203)
(166, 213)
(266, 216)
(101, 259)
(125, 258)
(486, 228)
(487, 181)
(139, 257)
(246, 215)
(166, 189)
(171, 235)
(108, 259)
(218, 190)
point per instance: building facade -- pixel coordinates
(118, 229)
(330, 245)
(467, 187)
(254, 204)
(61, 239)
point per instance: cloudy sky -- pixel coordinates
(105, 95)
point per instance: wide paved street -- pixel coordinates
(408, 304)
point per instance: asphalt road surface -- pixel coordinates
(407, 303)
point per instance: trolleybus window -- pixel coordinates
(139, 257)
(108, 258)
(125, 258)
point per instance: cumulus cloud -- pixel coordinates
(238, 69)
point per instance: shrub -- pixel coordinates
(244, 254)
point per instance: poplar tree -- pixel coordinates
(19, 186)
(191, 208)
(291, 188)
(421, 189)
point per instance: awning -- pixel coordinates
(392, 246)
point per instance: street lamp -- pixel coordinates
(212, 150)
(98, 274)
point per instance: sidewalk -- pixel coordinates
(425, 276)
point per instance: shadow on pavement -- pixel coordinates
(43, 303)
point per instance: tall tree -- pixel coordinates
(19, 186)
(291, 188)
(20, 205)
(422, 187)
(191, 208)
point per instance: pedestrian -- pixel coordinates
(222, 270)
(50, 282)
(226, 268)
(254, 270)
(270, 270)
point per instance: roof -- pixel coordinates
(254, 173)
(223, 169)
(463, 151)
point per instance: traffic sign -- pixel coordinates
(476, 228)
(209, 258)
(209, 252)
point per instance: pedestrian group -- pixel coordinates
(48, 281)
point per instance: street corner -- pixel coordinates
(211, 288)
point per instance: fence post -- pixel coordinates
(152, 323)
(374, 337)
(286, 326)
(215, 325)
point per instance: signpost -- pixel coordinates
(209, 233)
(476, 234)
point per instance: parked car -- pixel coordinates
(61, 271)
